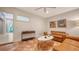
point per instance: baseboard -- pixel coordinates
(6, 43)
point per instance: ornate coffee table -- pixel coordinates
(45, 43)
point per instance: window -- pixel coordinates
(9, 22)
(23, 18)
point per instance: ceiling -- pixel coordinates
(51, 11)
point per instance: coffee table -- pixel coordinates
(45, 43)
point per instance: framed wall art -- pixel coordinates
(61, 23)
(53, 24)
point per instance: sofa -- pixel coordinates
(69, 44)
(58, 36)
(73, 37)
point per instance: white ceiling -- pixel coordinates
(51, 11)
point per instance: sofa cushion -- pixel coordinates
(58, 33)
(58, 36)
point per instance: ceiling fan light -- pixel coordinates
(47, 12)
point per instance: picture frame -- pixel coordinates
(61, 23)
(53, 24)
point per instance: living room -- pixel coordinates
(58, 22)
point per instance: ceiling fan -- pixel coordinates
(45, 9)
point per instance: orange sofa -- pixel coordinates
(59, 36)
(73, 37)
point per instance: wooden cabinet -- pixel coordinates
(25, 35)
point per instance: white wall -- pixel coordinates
(71, 17)
(36, 23)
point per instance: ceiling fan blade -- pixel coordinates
(44, 9)
(51, 7)
(38, 8)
